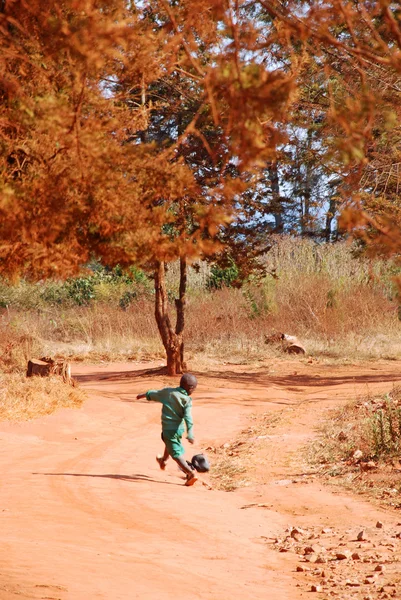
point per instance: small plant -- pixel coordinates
(81, 291)
(331, 299)
(126, 299)
(386, 427)
(223, 276)
(258, 301)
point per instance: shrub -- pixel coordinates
(385, 425)
(80, 291)
(126, 299)
(223, 276)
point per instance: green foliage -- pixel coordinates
(100, 284)
(385, 427)
(126, 299)
(260, 299)
(80, 291)
(223, 276)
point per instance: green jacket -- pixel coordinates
(177, 409)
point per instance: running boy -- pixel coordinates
(177, 408)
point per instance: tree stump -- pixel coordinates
(45, 367)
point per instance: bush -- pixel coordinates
(126, 299)
(223, 276)
(385, 425)
(80, 291)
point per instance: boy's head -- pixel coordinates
(188, 382)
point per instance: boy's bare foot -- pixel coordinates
(191, 479)
(161, 462)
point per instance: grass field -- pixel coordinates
(340, 307)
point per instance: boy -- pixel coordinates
(177, 408)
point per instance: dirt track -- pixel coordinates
(86, 513)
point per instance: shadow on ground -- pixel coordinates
(135, 477)
(291, 382)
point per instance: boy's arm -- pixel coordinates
(150, 395)
(189, 422)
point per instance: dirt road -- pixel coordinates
(85, 512)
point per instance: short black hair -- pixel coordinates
(188, 381)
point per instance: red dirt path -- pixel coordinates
(85, 512)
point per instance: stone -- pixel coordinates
(300, 569)
(361, 537)
(356, 556)
(316, 588)
(358, 454)
(380, 568)
(368, 466)
(312, 558)
(379, 524)
(343, 555)
(352, 583)
(327, 530)
(297, 530)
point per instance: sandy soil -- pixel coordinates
(85, 512)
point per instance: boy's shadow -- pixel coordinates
(135, 477)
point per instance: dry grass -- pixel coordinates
(228, 324)
(359, 447)
(371, 425)
(339, 307)
(22, 399)
(232, 463)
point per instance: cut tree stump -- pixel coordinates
(45, 367)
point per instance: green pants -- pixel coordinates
(172, 439)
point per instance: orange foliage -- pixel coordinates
(72, 182)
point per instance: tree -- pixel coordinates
(76, 142)
(206, 82)
(135, 131)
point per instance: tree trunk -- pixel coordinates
(329, 219)
(306, 220)
(180, 309)
(172, 338)
(276, 203)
